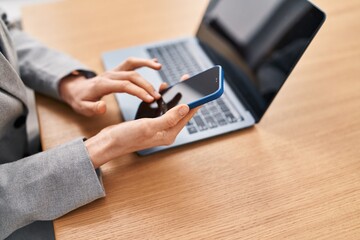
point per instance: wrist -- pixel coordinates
(100, 149)
(65, 85)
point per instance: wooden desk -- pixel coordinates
(294, 175)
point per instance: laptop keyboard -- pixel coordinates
(176, 60)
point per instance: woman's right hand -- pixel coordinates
(84, 95)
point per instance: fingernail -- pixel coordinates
(149, 97)
(183, 111)
(97, 108)
(157, 95)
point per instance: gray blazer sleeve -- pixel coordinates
(46, 185)
(42, 68)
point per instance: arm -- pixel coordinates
(50, 184)
(46, 186)
(50, 72)
(42, 68)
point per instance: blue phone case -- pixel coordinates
(212, 96)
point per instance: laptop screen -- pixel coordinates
(258, 43)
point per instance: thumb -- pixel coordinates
(172, 117)
(89, 108)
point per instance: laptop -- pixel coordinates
(257, 43)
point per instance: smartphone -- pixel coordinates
(195, 91)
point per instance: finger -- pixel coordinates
(107, 86)
(163, 86)
(133, 63)
(89, 108)
(181, 124)
(169, 135)
(171, 118)
(184, 77)
(135, 78)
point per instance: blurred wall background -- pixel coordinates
(13, 7)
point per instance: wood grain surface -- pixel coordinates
(295, 175)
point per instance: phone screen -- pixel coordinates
(185, 92)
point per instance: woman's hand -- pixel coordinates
(84, 95)
(132, 136)
(118, 140)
